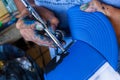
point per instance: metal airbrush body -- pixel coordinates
(39, 19)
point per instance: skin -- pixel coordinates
(28, 30)
(111, 12)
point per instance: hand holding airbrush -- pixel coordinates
(44, 26)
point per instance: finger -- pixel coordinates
(24, 35)
(24, 12)
(28, 23)
(19, 24)
(53, 27)
(84, 6)
(44, 40)
(27, 34)
(25, 24)
(54, 23)
(38, 26)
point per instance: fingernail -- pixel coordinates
(84, 6)
(39, 27)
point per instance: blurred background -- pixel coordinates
(10, 35)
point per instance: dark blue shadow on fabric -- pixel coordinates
(96, 30)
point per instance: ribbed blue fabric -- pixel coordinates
(96, 30)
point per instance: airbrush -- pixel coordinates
(45, 27)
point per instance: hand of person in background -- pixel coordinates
(111, 12)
